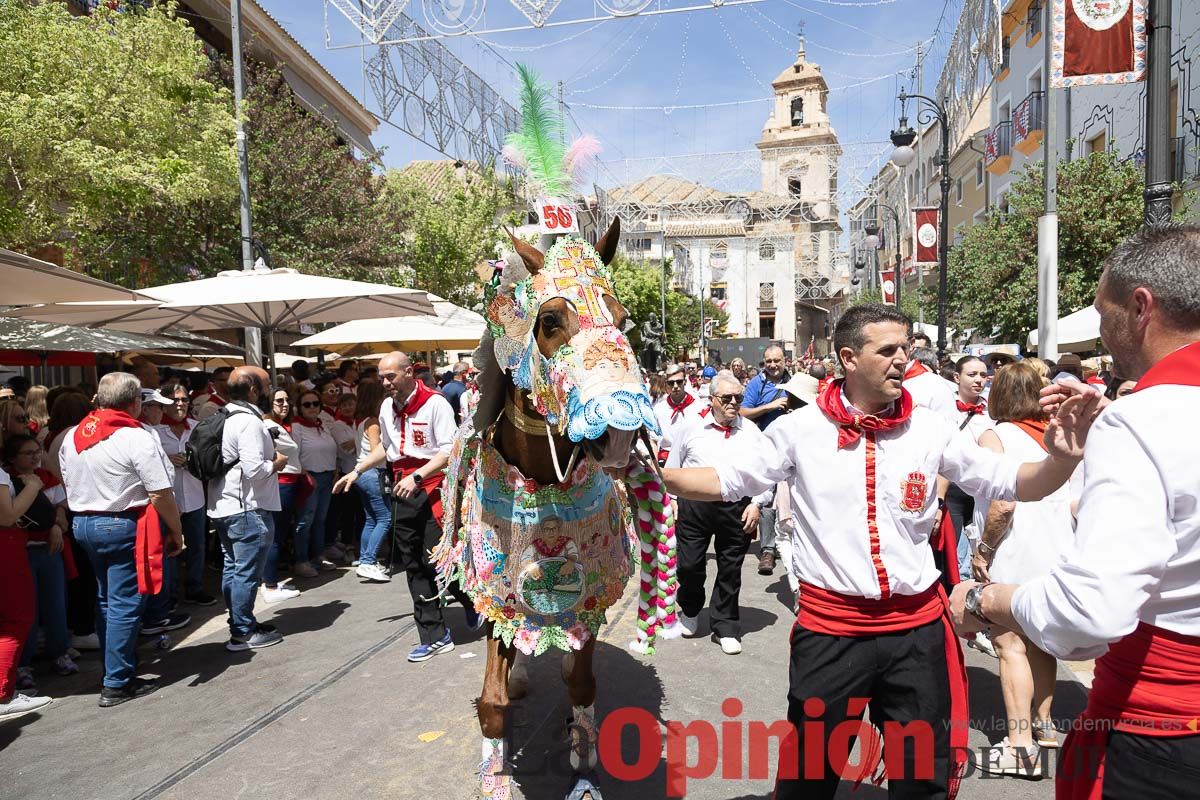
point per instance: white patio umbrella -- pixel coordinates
(134, 316)
(451, 327)
(1077, 332)
(28, 280)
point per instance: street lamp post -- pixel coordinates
(873, 241)
(902, 138)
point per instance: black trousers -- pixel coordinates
(417, 532)
(700, 523)
(901, 675)
(1151, 767)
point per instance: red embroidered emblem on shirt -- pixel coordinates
(913, 492)
(419, 437)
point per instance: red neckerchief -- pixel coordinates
(914, 369)
(851, 426)
(48, 479)
(216, 399)
(420, 397)
(1036, 428)
(727, 429)
(330, 410)
(966, 408)
(348, 419)
(99, 425)
(676, 410)
(33, 427)
(1181, 368)
(308, 423)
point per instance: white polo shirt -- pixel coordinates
(426, 433)
(189, 491)
(843, 543)
(116, 474)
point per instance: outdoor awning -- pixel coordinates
(27, 281)
(43, 338)
(450, 328)
(1077, 333)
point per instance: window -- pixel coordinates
(958, 191)
(794, 187)
(766, 251)
(766, 295)
(766, 326)
(1097, 143)
(797, 112)
(1033, 22)
(833, 185)
(979, 173)
(644, 244)
(1005, 52)
(717, 291)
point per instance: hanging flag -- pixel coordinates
(925, 235)
(888, 281)
(1097, 42)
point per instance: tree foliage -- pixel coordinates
(992, 273)
(103, 117)
(639, 288)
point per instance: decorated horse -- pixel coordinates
(548, 509)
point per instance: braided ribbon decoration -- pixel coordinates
(654, 519)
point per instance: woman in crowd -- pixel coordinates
(293, 492)
(327, 387)
(1118, 387)
(13, 419)
(45, 524)
(345, 512)
(67, 411)
(174, 433)
(1019, 542)
(370, 485)
(318, 457)
(37, 411)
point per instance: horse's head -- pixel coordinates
(559, 333)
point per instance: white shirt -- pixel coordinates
(252, 483)
(344, 434)
(5, 480)
(189, 491)
(50, 461)
(426, 433)
(285, 444)
(699, 442)
(318, 450)
(116, 474)
(977, 424)
(834, 544)
(669, 428)
(935, 393)
(1137, 547)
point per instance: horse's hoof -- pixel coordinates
(584, 788)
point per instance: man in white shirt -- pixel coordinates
(241, 504)
(1130, 593)
(674, 409)
(416, 432)
(927, 387)
(119, 485)
(715, 434)
(873, 625)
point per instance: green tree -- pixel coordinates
(992, 275)
(102, 117)
(450, 226)
(639, 288)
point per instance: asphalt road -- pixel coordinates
(335, 711)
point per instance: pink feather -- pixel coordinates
(514, 157)
(581, 157)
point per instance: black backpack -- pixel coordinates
(204, 447)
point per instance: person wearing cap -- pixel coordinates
(119, 484)
(717, 433)
(766, 402)
(1072, 365)
(675, 408)
(454, 388)
(706, 376)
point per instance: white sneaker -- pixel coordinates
(372, 572)
(983, 643)
(89, 642)
(1004, 759)
(279, 593)
(689, 624)
(730, 646)
(22, 704)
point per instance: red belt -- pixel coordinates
(1146, 684)
(432, 484)
(835, 614)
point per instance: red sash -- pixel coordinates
(851, 426)
(835, 614)
(1146, 684)
(1181, 368)
(148, 550)
(432, 484)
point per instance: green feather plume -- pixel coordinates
(538, 146)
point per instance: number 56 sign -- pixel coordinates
(556, 216)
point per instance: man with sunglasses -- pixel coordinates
(715, 434)
(675, 408)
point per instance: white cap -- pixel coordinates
(154, 396)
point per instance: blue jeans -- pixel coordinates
(379, 514)
(108, 540)
(50, 603)
(195, 535)
(766, 528)
(244, 538)
(284, 521)
(310, 532)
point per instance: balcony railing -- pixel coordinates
(998, 149)
(1033, 23)
(1027, 123)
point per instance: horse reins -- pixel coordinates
(536, 426)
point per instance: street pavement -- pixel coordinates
(335, 711)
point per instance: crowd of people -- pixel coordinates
(108, 525)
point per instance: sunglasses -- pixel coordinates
(680, 382)
(729, 399)
(310, 404)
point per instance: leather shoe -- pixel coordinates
(766, 562)
(138, 687)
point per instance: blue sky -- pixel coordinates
(703, 57)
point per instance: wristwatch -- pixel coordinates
(973, 602)
(416, 476)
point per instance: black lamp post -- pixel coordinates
(902, 138)
(873, 240)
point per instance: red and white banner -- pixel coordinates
(1097, 42)
(888, 280)
(925, 235)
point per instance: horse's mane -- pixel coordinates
(491, 380)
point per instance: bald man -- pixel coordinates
(241, 504)
(416, 430)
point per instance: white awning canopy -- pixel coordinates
(28, 281)
(1077, 333)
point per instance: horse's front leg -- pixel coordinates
(581, 686)
(494, 778)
